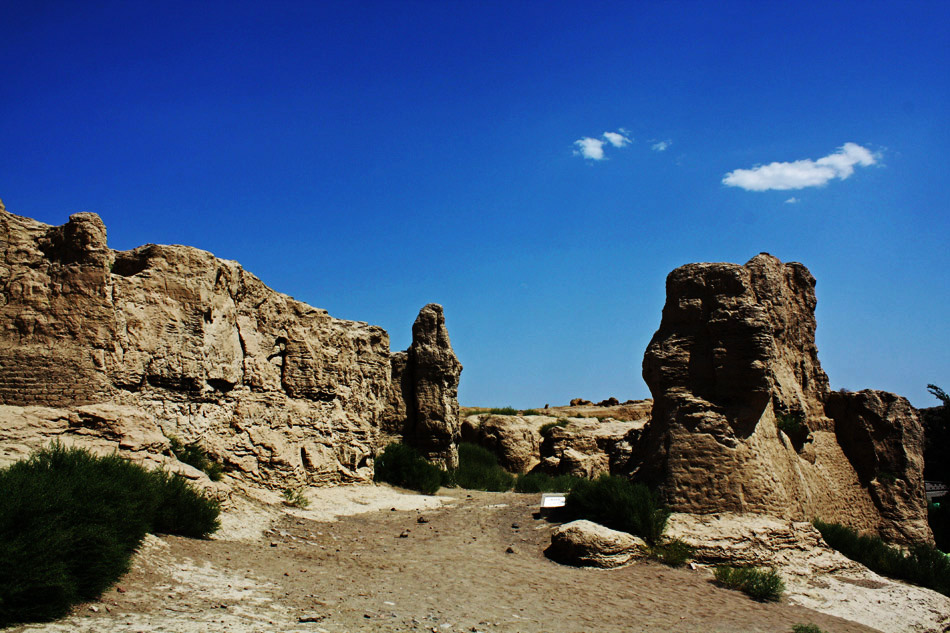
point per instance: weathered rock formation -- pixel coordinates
(280, 391)
(734, 358)
(514, 439)
(880, 434)
(584, 447)
(588, 447)
(423, 401)
(587, 544)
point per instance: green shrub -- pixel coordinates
(479, 470)
(193, 455)
(547, 427)
(764, 586)
(504, 411)
(806, 628)
(69, 522)
(922, 564)
(793, 425)
(181, 509)
(400, 465)
(543, 482)
(674, 553)
(615, 502)
(530, 412)
(295, 497)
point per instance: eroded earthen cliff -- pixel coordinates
(733, 360)
(280, 391)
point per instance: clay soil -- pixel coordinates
(439, 569)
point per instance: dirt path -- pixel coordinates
(386, 571)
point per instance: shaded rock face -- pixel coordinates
(281, 392)
(423, 395)
(880, 434)
(735, 354)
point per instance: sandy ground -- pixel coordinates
(371, 558)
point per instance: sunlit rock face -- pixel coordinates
(424, 409)
(732, 364)
(280, 391)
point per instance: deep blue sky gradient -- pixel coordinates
(370, 157)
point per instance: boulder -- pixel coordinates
(733, 362)
(179, 342)
(587, 544)
(579, 402)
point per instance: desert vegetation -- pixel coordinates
(193, 455)
(922, 565)
(793, 425)
(543, 482)
(762, 585)
(295, 497)
(70, 521)
(619, 504)
(546, 428)
(401, 465)
(479, 470)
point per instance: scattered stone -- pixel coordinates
(422, 519)
(315, 617)
(510, 550)
(404, 534)
(515, 526)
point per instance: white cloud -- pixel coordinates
(592, 148)
(802, 173)
(617, 139)
(661, 146)
(792, 201)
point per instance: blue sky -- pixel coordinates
(371, 157)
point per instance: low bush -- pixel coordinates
(793, 425)
(504, 411)
(619, 504)
(764, 586)
(70, 520)
(674, 553)
(400, 465)
(193, 455)
(543, 482)
(295, 497)
(547, 427)
(806, 628)
(922, 565)
(530, 412)
(479, 470)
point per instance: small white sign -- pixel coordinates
(553, 500)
